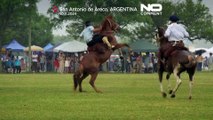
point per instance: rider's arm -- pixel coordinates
(81, 33)
(97, 30)
(167, 32)
(186, 34)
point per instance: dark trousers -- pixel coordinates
(42, 66)
(18, 69)
(34, 66)
(96, 39)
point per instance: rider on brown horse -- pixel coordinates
(175, 34)
(100, 53)
(91, 39)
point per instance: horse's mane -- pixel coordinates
(106, 23)
(160, 35)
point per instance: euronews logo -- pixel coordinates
(151, 9)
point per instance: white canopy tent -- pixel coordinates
(196, 49)
(208, 51)
(71, 46)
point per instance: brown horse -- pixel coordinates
(100, 52)
(179, 61)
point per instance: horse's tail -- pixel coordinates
(77, 76)
(191, 61)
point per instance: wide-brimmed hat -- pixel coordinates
(174, 18)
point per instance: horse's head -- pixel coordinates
(160, 36)
(109, 24)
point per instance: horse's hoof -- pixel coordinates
(170, 91)
(190, 97)
(82, 91)
(98, 91)
(173, 96)
(164, 95)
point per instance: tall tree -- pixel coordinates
(195, 15)
(15, 21)
(101, 8)
(7, 9)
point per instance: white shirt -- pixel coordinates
(35, 58)
(67, 63)
(176, 32)
(87, 33)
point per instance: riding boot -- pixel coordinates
(105, 40)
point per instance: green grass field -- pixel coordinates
(124, 97)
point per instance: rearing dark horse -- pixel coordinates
(99, 54)
(179, 61)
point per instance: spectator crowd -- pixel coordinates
(68, 63)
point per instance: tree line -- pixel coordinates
(18, 17)
(193, 14)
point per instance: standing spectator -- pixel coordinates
(128, 65)
(61, 59)
(210, 61)
(147, 62)
(11, 61)
(138, 64)
(10, 55)
(67, 64)
(56, 64)
(23, 64)
(8, 65)
(42, 62)
(199, 59)
(205, 64)
(17, 65)
(3, 60)
(35, 62)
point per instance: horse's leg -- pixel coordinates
(160, 75)
(80, 81)
(76, 78)
(92, 81)
(169, 84)
(176, 72)
(191, 78)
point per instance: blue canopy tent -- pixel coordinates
(48, 47)
(15, 46)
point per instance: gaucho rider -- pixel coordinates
(175, 34)
(90, 38)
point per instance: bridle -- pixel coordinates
(111, 25)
